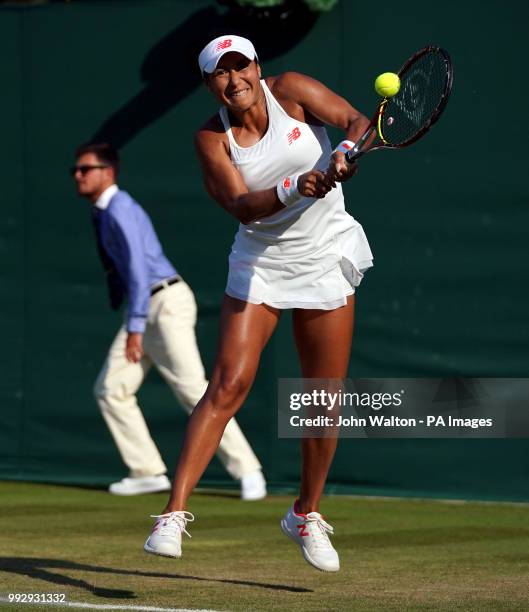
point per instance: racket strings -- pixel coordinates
(423, 87)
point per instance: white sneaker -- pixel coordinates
(166, 536)
(253, 486)
(310, 532)
(137, 486)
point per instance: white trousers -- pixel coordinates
(170, 344)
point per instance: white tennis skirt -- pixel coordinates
(321, 279)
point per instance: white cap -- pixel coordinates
(210, 55)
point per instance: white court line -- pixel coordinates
(94, 606)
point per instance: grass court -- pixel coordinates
(395, 554)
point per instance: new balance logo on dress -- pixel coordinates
(293, 135)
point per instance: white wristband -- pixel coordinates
(287, 190)
(344, 146)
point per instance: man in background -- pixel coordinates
(159, 330)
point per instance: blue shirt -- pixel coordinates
(128, 237)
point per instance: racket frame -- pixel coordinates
(358, 150)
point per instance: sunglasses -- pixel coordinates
(85, 168)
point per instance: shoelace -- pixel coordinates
(319, 529)
(173, 521)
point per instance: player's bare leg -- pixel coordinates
(244, 331)
(323, 339)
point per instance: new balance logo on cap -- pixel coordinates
(223, 44)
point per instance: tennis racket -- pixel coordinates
(399, 121)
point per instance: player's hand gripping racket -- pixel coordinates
(425, 86)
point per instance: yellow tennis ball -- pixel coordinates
(387, 84)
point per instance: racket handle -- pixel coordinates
(352, 155)
(357, 151)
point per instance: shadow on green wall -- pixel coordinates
(170, 70)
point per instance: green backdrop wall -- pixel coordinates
(447, 221)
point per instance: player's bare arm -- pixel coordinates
(306, 99)
(225, 184)
(303, 97)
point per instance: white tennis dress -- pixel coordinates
(310, 255)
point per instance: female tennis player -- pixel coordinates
(267, 160)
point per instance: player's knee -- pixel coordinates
(230, 391)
